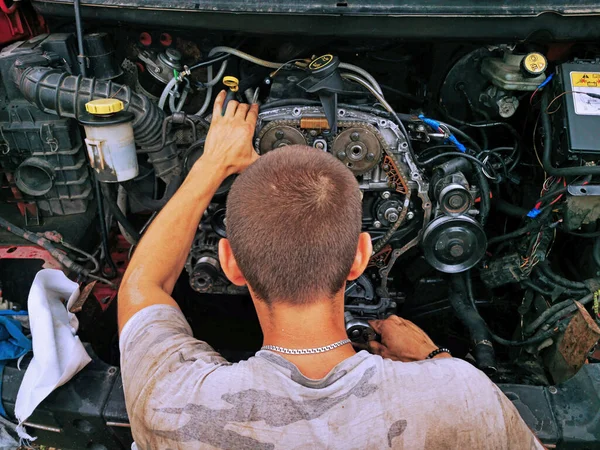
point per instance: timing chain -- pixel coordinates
(395, 175)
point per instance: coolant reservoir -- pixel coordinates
(109, 140)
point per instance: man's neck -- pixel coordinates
(317, 324)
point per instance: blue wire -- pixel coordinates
(436, 126)
(546, 81)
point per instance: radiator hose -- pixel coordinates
(483, 350)
(57, 92)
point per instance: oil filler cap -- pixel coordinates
(104, 106)
(534, 64)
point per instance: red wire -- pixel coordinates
(533, 95)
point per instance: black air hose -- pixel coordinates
(56, 92)
(561, 281)
(483, 350)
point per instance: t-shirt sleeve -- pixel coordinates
(159, 353)
(518, 434)
(501, 415)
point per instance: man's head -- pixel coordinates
(293, 226)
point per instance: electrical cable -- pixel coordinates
(103, 229)
(387, 106)
(54, 252)
(209, 62)
(450, 155)
(85, 254)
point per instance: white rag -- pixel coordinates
(58, 354)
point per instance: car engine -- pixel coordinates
(477, 163)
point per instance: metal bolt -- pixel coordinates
(313, 132)
(355, 136)
(410, 215)
(421, 128)
(377, 224)
(385, 195)
(456, 201)
(341, 155)
(391, 216)
(355, 333)
(552, 390)
(456, 250)
(385, 167)
(279, 134)
(319, 145)
(370, 156)
(157, 69)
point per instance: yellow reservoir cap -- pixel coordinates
(104, 106)
(535, 63)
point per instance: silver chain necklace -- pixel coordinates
(305, 351)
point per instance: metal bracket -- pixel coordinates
(581, 190)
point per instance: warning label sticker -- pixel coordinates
(582, 84)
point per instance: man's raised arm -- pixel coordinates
(161, 254)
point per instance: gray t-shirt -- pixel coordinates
(181, 394)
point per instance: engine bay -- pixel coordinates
(477, 164)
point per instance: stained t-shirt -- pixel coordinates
(181, 394)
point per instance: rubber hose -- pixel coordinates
(483, 350)
(543, 317)
(553, 285)
(546, 270)
(119, 215)
(484, 187)
(509, 209)
(514, 234)
(151, 204)
(166, 92)
(122, 205)
(536, 339)
(567, 310)
(596, 253)
(540, 290)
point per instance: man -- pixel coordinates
(293, 223)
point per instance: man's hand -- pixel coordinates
(401, 340)
(229, 142)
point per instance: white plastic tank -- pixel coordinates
(109, 140)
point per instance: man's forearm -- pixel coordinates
(161, 254)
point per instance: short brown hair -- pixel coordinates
(293, 221)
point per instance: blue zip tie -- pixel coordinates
(436, 126)
(534, 213)
(546, 81)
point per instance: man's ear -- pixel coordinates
(363, 255)
(229, 264)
